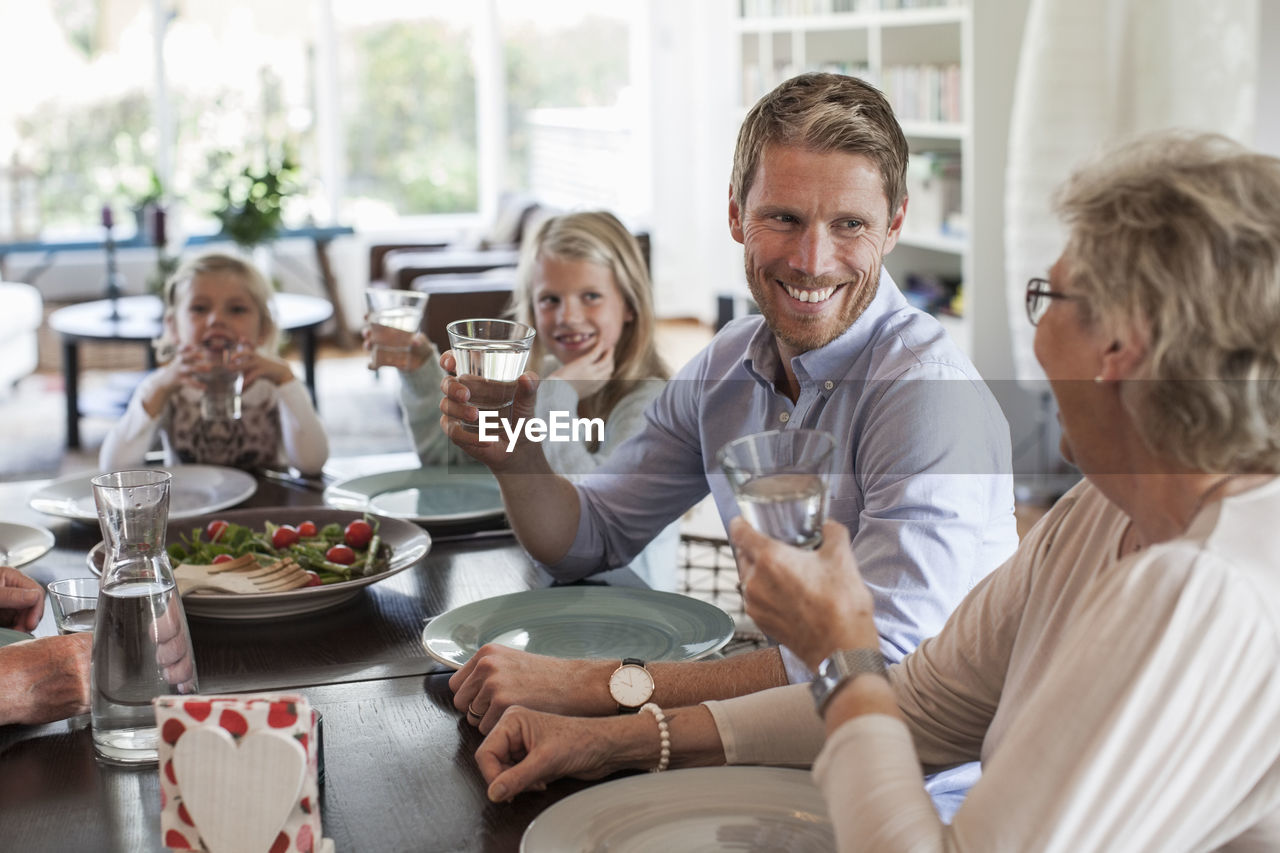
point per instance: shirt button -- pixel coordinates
(784, 417)
(828, 384)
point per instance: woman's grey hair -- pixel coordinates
(1178, 236)
(177, 285)
(824, 112)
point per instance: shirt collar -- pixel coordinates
(831, 361)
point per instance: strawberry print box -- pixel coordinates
(238, 773)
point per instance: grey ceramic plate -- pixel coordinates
(22, 543)
(194, 490)
(582, 622)
(703, 809)
(426, 495)
(8, 636)
(409, 544)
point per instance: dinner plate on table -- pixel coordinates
(703, 809)
(582, 622)
(9, 636)
(194, 490)
(408, 542)
(431, 495)
(22, 543)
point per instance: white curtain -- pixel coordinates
(1095, 71)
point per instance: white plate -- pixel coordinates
(426, 495)
(582, 622)
(194, 490)
(702, 809)
(22, 543)
(408, 542)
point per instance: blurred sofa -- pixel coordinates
(21, 313)
(497, 247)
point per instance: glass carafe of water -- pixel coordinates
(141, 644)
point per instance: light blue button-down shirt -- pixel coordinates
(923, 482)
(924, 476)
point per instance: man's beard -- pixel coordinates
(819, 330)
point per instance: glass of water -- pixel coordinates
(780, 479)
(75, 604)
(223, 387)
(490, 355)
(395, 315)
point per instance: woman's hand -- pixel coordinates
(589, 372)
(499, 454)
(527, 749)
(813, 602)
(21, 600)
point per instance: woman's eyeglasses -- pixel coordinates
(1040, 294)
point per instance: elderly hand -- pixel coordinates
(456, 408)
(21, 600)
(45, 680)
(813, 602)
(527, 749)
(496, 678)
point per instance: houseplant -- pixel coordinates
(252, 200)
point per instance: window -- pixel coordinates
(391, 108)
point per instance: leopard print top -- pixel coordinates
(251, 442)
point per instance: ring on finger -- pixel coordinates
(472, 712)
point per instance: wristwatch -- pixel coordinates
(631, 685)
(839, 668)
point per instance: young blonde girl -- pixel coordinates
(583, 284)
(217, 311)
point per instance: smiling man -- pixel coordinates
(817, 199)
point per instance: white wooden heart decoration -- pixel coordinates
(238, 795)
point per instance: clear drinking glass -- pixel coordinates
(75, 604)
(223, 387)
(491, 355)
(141, 643)
(400, 311)
(780, 479)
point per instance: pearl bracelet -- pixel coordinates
(664, 735)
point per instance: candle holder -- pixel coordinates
(113, 274)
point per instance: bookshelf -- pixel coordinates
(920, 54)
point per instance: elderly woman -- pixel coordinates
(1118, 676)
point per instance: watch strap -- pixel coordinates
(840, 668)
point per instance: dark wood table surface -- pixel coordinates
(399, 772)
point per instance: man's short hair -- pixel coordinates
(824, 112)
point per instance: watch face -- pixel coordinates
(631, 685)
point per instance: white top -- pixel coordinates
(1116, 704)
(298, 439)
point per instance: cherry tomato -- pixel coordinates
(358, 533)
(215, 530)
(340, 554)
(314, 579)
(223, 558)
(284, 536)
(307, 529)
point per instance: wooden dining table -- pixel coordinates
(398, 766)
